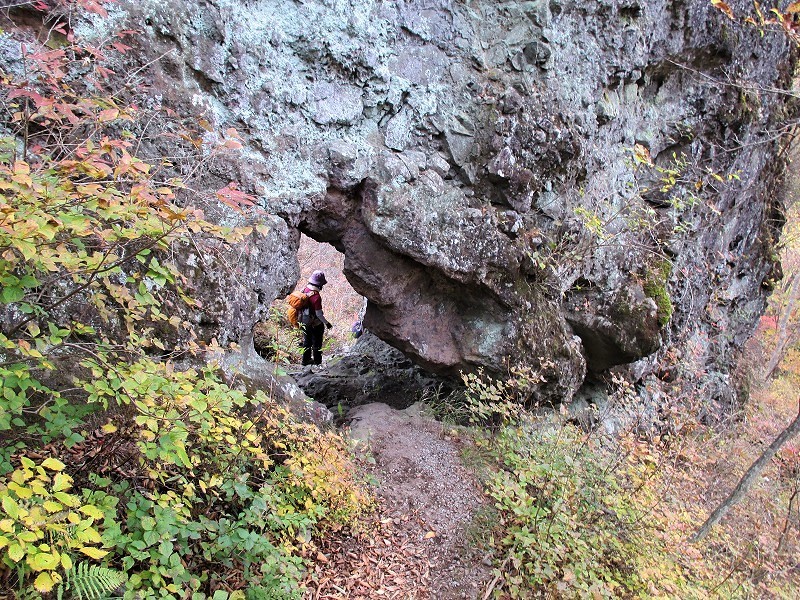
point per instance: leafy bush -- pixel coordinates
(44, 525)
(573, 511)
(489, 400)
(567, 524)
(275, 339)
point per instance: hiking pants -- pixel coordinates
(312, 344)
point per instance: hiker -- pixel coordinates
(313, 331)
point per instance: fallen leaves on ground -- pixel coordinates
(387, 558)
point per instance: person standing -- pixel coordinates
(315, 329)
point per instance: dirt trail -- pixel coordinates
(418, 545)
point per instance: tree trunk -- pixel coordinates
(783, 328)
(788, 524)
(748, 478)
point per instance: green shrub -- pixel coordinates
(564, 519)
(491, 401)
(572, 512)
(44, 527)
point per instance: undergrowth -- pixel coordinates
(578, 514)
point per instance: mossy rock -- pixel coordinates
(655, 287)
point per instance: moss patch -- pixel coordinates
(655, 287)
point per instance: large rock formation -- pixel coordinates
(485, 167)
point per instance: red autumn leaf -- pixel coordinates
(234, 197)
(232, 139)
(37, 99)
(94, 6)
(120, 47)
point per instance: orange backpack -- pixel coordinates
(299, 311)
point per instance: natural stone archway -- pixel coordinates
(445, 324)
(473, 161)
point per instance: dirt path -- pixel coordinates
(417, 546)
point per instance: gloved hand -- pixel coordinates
(329, 325)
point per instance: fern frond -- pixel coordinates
(91, 582)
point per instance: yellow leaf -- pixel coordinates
(61, 482)
(15, 552)
(44, 561)
(95, 553)
(21, 492)
(53, 464)
(11, 508)
(109, 428)
(52, 507)
(20, 476)
(66, 562)
(89, 536)
(724, 7)
(91, 511)
(45, 581)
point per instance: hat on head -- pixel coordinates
(317, 278)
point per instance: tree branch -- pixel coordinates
(748, 478)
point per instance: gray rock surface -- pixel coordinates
(371, 371)
(474, 162)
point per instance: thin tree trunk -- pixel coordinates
(748, 478)
(788, 524)
(783, 327)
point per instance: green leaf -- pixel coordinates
(91, 511)
(28, 281)
(44, 561)
(151, 537)
(11, 294)
(15, 552)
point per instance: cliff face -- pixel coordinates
(569, 185)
